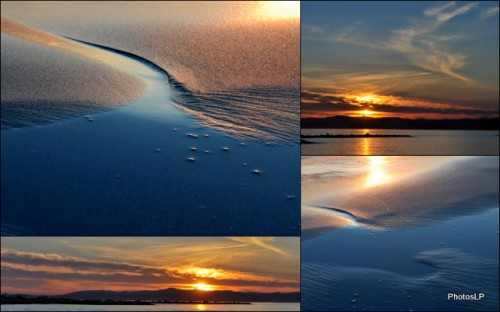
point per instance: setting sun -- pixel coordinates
(366, 112)
(281, 9)
(203, 286)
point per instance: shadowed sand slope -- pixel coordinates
(46, 78)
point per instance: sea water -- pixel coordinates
(254, 306)
(421, 142)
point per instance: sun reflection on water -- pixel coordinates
(365, 146)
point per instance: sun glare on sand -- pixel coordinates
(377, 175)
(280, 9)
(203, 286)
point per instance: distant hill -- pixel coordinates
(338, 122)
(173, 294)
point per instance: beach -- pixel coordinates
(402, 245)
(156, 161)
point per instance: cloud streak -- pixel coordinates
(441, 16)
(263, 242)
(487, 13)
(425, 50)
(425, 54)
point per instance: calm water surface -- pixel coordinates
(256, 306)
(422, 142)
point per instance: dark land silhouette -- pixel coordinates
(170, 295)
(27, 299)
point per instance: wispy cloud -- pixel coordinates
(487, 13)
(425, 52)
(437, 10)
(425, 49)
(442, 14)
(313, 28)
(419, 41)
(263, 242)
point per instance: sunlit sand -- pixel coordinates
(417, 194)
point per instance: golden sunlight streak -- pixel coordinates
(203, 286)
(280, 9)
(377, 175)
(205, 272)
(367, 99)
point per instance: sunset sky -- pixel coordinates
(402, 59)
(52, 265)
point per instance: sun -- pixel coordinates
(280, 9)
(203, 286)
(366, 112)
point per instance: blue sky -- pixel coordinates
(438, 57)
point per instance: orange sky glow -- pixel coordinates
(320, 105)
(52, 266)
